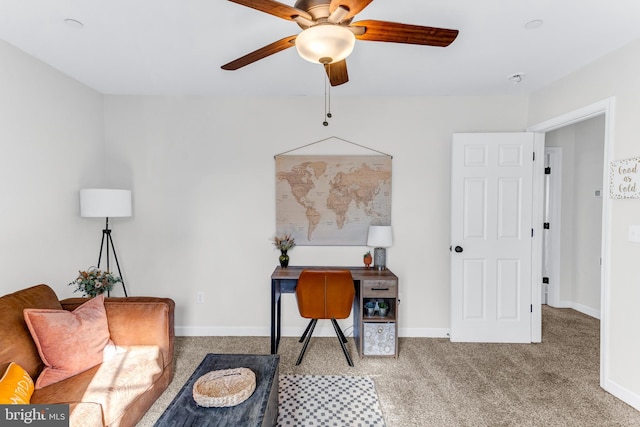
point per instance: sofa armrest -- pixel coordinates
(138, 321)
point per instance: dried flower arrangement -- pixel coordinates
(94, 282)
(284, 242)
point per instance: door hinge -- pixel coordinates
(545, 280)
(532, 232)
(531, 308)
(534, 156)
(546, 225)
(547, 170)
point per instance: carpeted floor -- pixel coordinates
(438, 383)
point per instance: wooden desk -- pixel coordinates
(370, 283)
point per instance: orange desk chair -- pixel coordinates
(325, 294)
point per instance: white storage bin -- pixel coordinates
(379, 339)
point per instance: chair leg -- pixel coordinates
(311, 327)
(306, 331)
(339, 332)
(342, 343)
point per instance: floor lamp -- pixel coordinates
(102, 202)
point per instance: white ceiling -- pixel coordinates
(176, 47)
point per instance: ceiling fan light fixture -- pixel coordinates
(325, 44)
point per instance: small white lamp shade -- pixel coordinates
(380, 236)
(105, 203)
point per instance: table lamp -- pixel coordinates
(103, 202)
(380, 237)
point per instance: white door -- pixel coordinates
(491, 237)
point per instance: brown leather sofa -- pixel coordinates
(117, 392)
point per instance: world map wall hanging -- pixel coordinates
(332, 200)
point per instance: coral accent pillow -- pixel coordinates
(69, 342)
(16, 386)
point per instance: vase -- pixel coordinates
(367, 260)
(284, 259)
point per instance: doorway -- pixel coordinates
(573, 216)
(603, 108)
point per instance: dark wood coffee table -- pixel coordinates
(260, 409)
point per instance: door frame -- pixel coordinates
(537, 220)
(604, 107)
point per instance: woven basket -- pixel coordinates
(227, 387)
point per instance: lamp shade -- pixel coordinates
(105, 203)
(380, 236)
(325, 44)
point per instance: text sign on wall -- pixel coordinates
(624, 179)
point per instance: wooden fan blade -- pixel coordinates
(337, 72)
(383, 31)
(354, 6)
(263, 52)
(274, 8)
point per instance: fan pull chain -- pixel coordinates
(324, 117)
(327, 96)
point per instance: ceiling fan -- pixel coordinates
(329, 34)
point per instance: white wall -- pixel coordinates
(203, 175)
(581, 211)
(51, 144)
(615, 75)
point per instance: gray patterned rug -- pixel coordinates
(328, 400)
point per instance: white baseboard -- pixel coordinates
(622, 393)
(220, 331)
(320, 331)
(563, 304)
(424, 332)
(325, 330)
(589, 311)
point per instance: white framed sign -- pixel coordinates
(624, 179)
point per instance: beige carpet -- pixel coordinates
(437, 383)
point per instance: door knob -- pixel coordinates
(458, 249)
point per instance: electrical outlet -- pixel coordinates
(634, 233)
(200, 297)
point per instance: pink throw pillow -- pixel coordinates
(69, 342)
